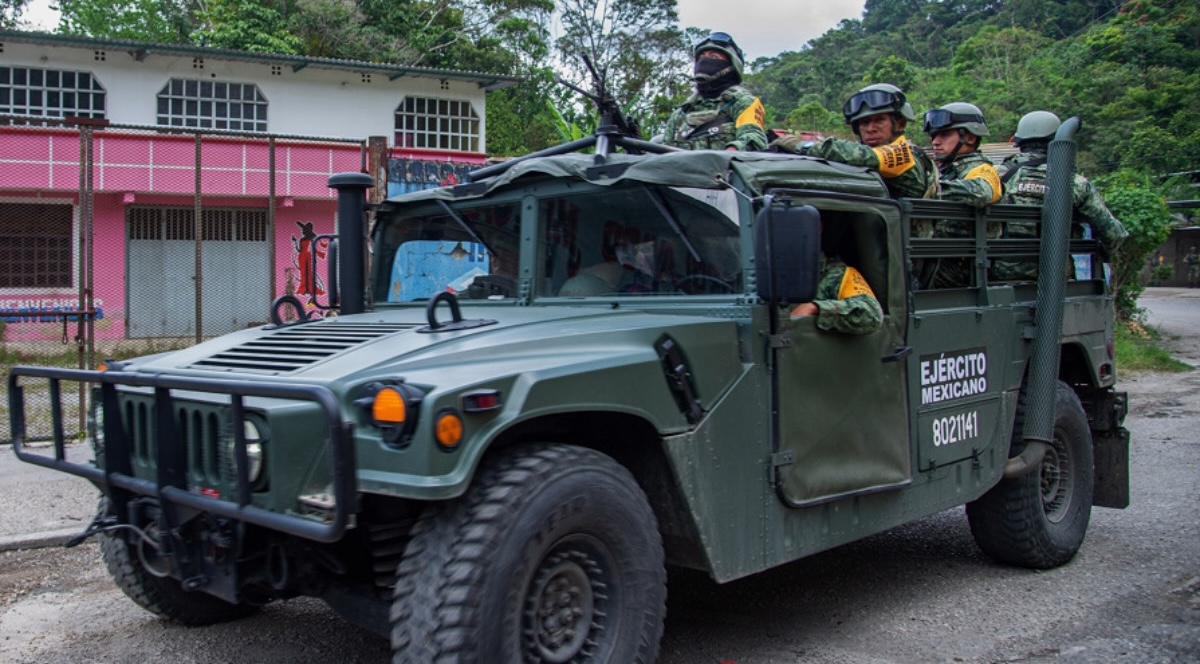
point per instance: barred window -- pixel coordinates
(35, 245)
(212, 105)
(52, 93)
(437, 124)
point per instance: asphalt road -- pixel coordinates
(919, 593)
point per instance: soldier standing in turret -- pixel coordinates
(721, 114)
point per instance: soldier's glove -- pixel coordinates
(787, 144)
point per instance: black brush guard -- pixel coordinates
(117, 480)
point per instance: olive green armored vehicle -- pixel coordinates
(545, 385)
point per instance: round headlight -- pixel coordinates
(254, 449)
(95, 421)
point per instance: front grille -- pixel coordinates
(201, 428)
(294, 348)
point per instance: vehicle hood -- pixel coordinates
(331, 349)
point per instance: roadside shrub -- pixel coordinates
(1140, 203)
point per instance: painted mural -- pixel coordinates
(405, 175)
(308, 261)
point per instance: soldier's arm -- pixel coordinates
(749, 118)
(843, 152)
(1107, 228)
(860, 314)
(980, 187)
(846, 303)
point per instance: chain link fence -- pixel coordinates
(118, 241)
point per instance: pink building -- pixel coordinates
(99, 196)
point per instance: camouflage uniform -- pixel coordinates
(1025, 184)
(970, 178)
(907, 171)
(845, 302)
(1028, 186)
(744, 129)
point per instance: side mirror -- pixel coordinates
(787, 246)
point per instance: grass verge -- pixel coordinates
(1139, 348)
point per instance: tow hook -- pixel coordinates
(1027, 461)
(98, 525)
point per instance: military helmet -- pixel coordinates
(876, 99)
(960, 115)
(721, 41)
(1036, 126)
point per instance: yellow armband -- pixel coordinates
(895, 158)
(754, 114)
(853, 284)
(988, 174)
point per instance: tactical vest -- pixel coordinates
(707, 123)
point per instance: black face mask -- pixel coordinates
(713, 76)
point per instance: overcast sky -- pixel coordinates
(768, 27)
(761, 27)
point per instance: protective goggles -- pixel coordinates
(874, 99)
(939, 119)
(721, 39)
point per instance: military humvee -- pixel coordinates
(554, 380)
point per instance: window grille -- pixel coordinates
(52, 93)
(437, 124)
(36, 245)
(212, 105)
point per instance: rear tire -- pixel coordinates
(553, 555)
(1039, 520)
(164, 596)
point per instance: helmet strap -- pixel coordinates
(949, 159)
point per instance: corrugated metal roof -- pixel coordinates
(485, 80)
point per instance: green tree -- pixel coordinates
(244, 25)
(891, 69)
(1140, 203)
(157, 21)
(812, 116)
(10, 12)
(338, 29)
(635, 42)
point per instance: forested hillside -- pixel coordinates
(1131, 70)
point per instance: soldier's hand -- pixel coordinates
(787, 143)
(804, 309)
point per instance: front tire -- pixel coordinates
(553, 555)
(1039, 520)
(162, 595)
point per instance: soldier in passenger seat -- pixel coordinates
(845, 302)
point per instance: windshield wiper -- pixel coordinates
(470, 230)
(656, 198)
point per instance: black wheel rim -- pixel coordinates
(567, 606)
(1056, 479)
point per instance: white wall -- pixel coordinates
(311, 102)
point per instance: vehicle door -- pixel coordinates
(841, 398)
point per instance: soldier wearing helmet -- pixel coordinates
(965, 175)
(1023, 176)
(878, 114)
(956, 131)
(721, 114)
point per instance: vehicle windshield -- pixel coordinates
(623, 240)
(472, 252)
(639, 240)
